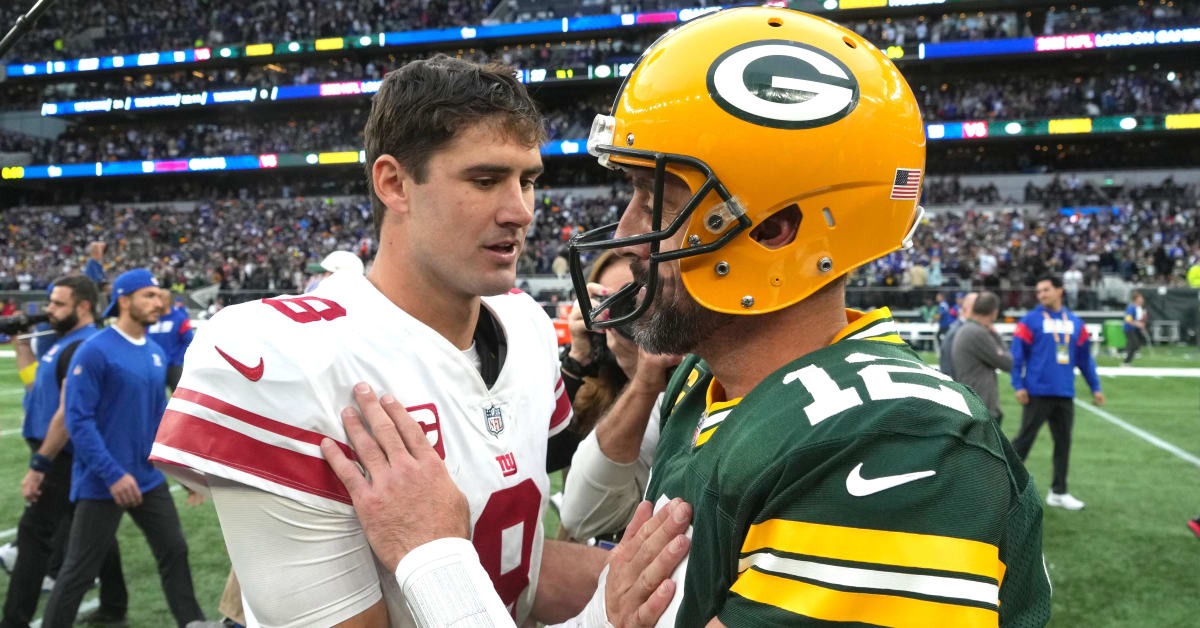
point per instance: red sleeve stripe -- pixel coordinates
(235, 450)
(1023, 333)
(259, 421)
(1083, 334)
(562, 407)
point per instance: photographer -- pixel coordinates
(46, 485)
(615, 381)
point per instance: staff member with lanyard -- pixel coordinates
(1048, 345)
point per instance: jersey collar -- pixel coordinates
(876, 325)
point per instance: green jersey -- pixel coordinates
(855, 485)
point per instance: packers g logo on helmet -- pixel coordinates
(782, 84)
(758, 111)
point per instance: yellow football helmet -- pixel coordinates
(758, 110)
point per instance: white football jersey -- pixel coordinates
(265, 381)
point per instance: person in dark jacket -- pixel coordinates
(1048, 345)
(978, 351)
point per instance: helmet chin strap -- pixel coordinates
(907, 242)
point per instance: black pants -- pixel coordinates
(1134, 340)
(1060, 412)
(94, 531)
(41, 537)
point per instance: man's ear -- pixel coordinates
(779, 229)
(392, 183)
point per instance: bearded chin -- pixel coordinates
(65, 325)
(676, 328)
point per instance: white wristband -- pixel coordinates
(595, 614)
(445, 586)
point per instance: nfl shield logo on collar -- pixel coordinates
(494, 420)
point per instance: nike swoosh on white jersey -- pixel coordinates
(859, 486)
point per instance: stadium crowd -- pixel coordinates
(1141, 92)
(71, 31)
(1153, 237)
(521, 56)
(1148, 234)
(168, 141)
(1145, 91)
(1003, 25)
(340, 130)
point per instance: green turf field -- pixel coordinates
(1125, 560)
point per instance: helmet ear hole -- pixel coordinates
(779, 229)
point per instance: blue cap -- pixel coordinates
(127, 283)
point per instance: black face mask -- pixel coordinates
(64, 325)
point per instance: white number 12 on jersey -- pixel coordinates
(829, 399)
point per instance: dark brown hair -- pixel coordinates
(82, 289)
(422, 106)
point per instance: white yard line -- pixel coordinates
(1140, 371)
(1139, 432)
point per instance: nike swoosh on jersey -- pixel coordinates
(251, 373)
(859, 486)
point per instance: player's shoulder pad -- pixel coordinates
(255, 329)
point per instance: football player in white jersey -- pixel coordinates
(452, 152)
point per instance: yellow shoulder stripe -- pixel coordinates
(902, 549)
(892, 338)
(860, 320)
(705, 435)
(868, 608)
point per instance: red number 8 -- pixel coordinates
(300, 310)
(515, 505)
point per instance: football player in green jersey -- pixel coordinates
(835, 478)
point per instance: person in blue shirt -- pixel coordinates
(95, 265)
(114, 397)
(1135, 326)
(945, 317)
(1048, 345)
(47, 482)
(173, 332)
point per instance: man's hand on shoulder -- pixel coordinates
(639, 586)
(407, 497)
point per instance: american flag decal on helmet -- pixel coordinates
(907, 185)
